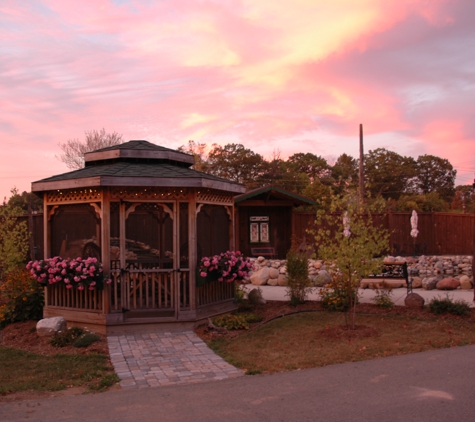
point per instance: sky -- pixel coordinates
(278, 76)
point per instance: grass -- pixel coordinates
(296, 341)
(23, 371)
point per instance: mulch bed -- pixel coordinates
(276, 309)
(22, 336)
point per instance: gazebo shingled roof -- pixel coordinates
(136, 163)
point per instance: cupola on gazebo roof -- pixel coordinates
(136, 163)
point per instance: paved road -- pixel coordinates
(431, 386)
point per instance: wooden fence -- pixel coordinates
(439, 233)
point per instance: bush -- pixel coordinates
(86, 340)
(446, 305)
(334, 297)
(65, 338)
(21, 298)
(236, 321)
(383, 299)
(298, 283)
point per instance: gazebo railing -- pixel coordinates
(58, 296)
(214, 292)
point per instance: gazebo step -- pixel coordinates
(149, 313)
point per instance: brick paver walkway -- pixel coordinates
(156, 359)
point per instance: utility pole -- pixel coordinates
(362, 191)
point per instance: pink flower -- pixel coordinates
(69, 286)
(80, 287)
(203, 274)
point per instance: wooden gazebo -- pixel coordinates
(149, 218)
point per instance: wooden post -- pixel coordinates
(192, 245)
(361, 173)
(105, 246)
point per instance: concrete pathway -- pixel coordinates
(165, 358)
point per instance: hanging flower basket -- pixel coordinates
(226, 267)
(74, 273)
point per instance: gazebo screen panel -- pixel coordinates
(149, 237)
(212, 230)
(115, 235)
(75, 231)
(184, 250)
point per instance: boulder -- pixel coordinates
(260, 277)
(272, 282)
(323, 277)
(273, 273)
(430, 283)
(255, 297)
(448, 283)
(465, 283)
(282, 280)
(48, 327)
(416, 282)
(413, 300)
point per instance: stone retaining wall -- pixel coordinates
(426, 272)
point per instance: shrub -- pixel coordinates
(65, 338)
(334, 296)
(231, 322)
(445, 305)
(298, 283)
(236, 321)
(382, 299)
(86, 340)
(21, 296)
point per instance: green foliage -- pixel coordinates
(422, 203)
(335, 296)
(382, 299)
(65, 338)
(298, 283)
(231, 321)
(239, 321)
(86, 340)
(25, 201)
(446, 305)
(21, 298)
(14, 238)
(435, 175)
(354, 255)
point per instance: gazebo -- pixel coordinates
(149, 218)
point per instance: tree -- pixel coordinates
(14, 238)
(198, 150)
(312, 165)
(351, 242)
(464, 199)
(25, 200)
(345, 172)
(431, 202)
(388, 174)
(435, 174)
(74, 149)
(236, 163)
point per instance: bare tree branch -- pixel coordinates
(74, 150)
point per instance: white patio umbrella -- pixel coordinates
(414, 231)
(346, 225)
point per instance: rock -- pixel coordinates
(323, 277)
(273, 273)
(282, 280)
(255, 297)
(318, 264)
(389, 260)
(449, 283)
(416, 282)
(48, 327)
(430, 283)
(465, 283)
(259, 278)
(272, 282)
(413, 300)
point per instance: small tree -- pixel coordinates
(74, 149)
(14, 238)
(352, 242)
(299, 284)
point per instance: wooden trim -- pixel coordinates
(105, 246)
(262, 203)
(192, 246)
